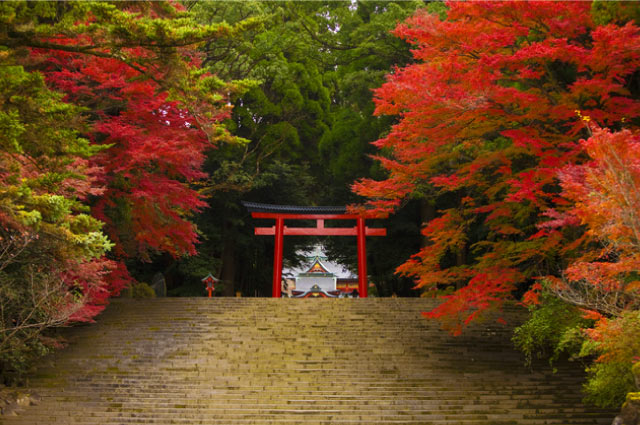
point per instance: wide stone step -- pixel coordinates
(267, 361)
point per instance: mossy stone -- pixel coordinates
(142, 290)
(630, 413)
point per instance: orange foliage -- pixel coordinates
(604, 197)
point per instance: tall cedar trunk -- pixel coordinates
(228, 273)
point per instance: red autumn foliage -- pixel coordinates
(157, 151)
(153, 112)
(488, 113)
(88, 278)
(603, 196)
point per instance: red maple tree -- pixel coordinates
(157, 114)
(486, 118)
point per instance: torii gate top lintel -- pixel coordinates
(255, 207)
(280, 213)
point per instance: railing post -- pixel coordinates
(277, 259)
(362, 259)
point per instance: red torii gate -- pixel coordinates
(280, 213)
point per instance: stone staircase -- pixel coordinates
(303, 361)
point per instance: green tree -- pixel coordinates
(282, 117)
(46, 231)
(315, 64)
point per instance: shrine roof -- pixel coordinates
(293, 209)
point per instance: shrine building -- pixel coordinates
(319, 277)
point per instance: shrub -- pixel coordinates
(608, 384)
(616, 342)
(142, 290)
(30, 304)
(554, 327)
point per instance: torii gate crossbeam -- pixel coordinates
(280, 213)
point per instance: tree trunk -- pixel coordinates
(228, 272)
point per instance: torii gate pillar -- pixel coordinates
(276, 291)
(363, 284)
(285, 212)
